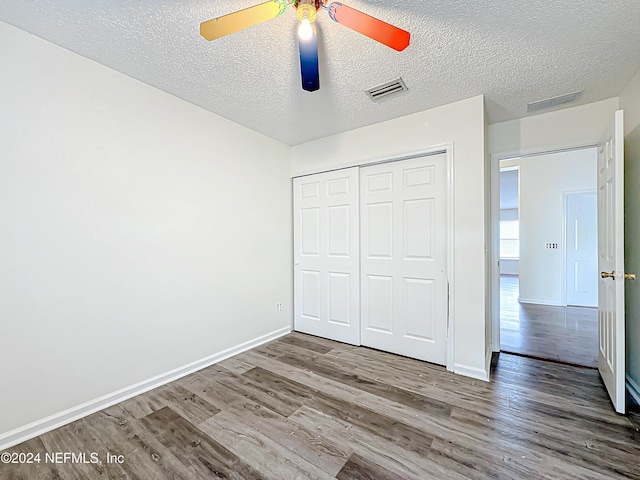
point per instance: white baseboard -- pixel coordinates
(633, 389)
(541, 302)
(26, 432)
(473, 372)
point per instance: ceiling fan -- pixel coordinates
(371, 27)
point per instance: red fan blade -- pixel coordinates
(369, 26)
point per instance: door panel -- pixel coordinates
(339, 231)
(611, 328)
(326, 261)
(403, 257)
(339, 298)
(418, 229)
(310, 231)
(310, 293)
(419, 308)
(379, 230)
(379, 306)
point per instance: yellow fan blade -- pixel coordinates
(234, 22)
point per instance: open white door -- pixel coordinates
(611, 356)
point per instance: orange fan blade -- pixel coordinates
(369, 26)
(234, 22)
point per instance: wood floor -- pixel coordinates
(565, 334)
(307, 408)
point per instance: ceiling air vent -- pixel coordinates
(386, 90)
(552, 102)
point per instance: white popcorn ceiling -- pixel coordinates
(512, 52)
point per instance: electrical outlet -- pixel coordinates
(278, 307)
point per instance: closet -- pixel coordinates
(370, 256)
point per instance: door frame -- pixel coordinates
(448, 150)
(496, 158)
(565, 200)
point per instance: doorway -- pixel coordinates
(548, 249)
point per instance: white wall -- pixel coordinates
(509, 214)
(460, 124)
(567, 128)
(543, 180)
(509, 191)
(138, 233)
(630, 103)
(509, 266)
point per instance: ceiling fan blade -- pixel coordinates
(369, 26)
(234, 22)
(309, 63)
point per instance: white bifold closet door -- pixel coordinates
(326, 255)
(403, 261)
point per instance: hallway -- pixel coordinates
(564, 334)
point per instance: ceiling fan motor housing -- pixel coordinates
(313, 3)
(307, 4)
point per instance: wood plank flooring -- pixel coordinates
(302, 407)
(564, 334)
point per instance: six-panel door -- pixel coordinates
(403, 261)
(611, 321)
(326, 261)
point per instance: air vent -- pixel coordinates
(386, 90)
(552, 102)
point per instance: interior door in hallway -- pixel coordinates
(326, 255)
(403, 257)
(611, 328)
(582, 249)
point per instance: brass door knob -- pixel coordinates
(612, 275)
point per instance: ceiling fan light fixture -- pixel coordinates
(305, 30)
(307, 15)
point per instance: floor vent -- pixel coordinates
(552, 102)
(386, 90)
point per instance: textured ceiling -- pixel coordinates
(512, 52)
